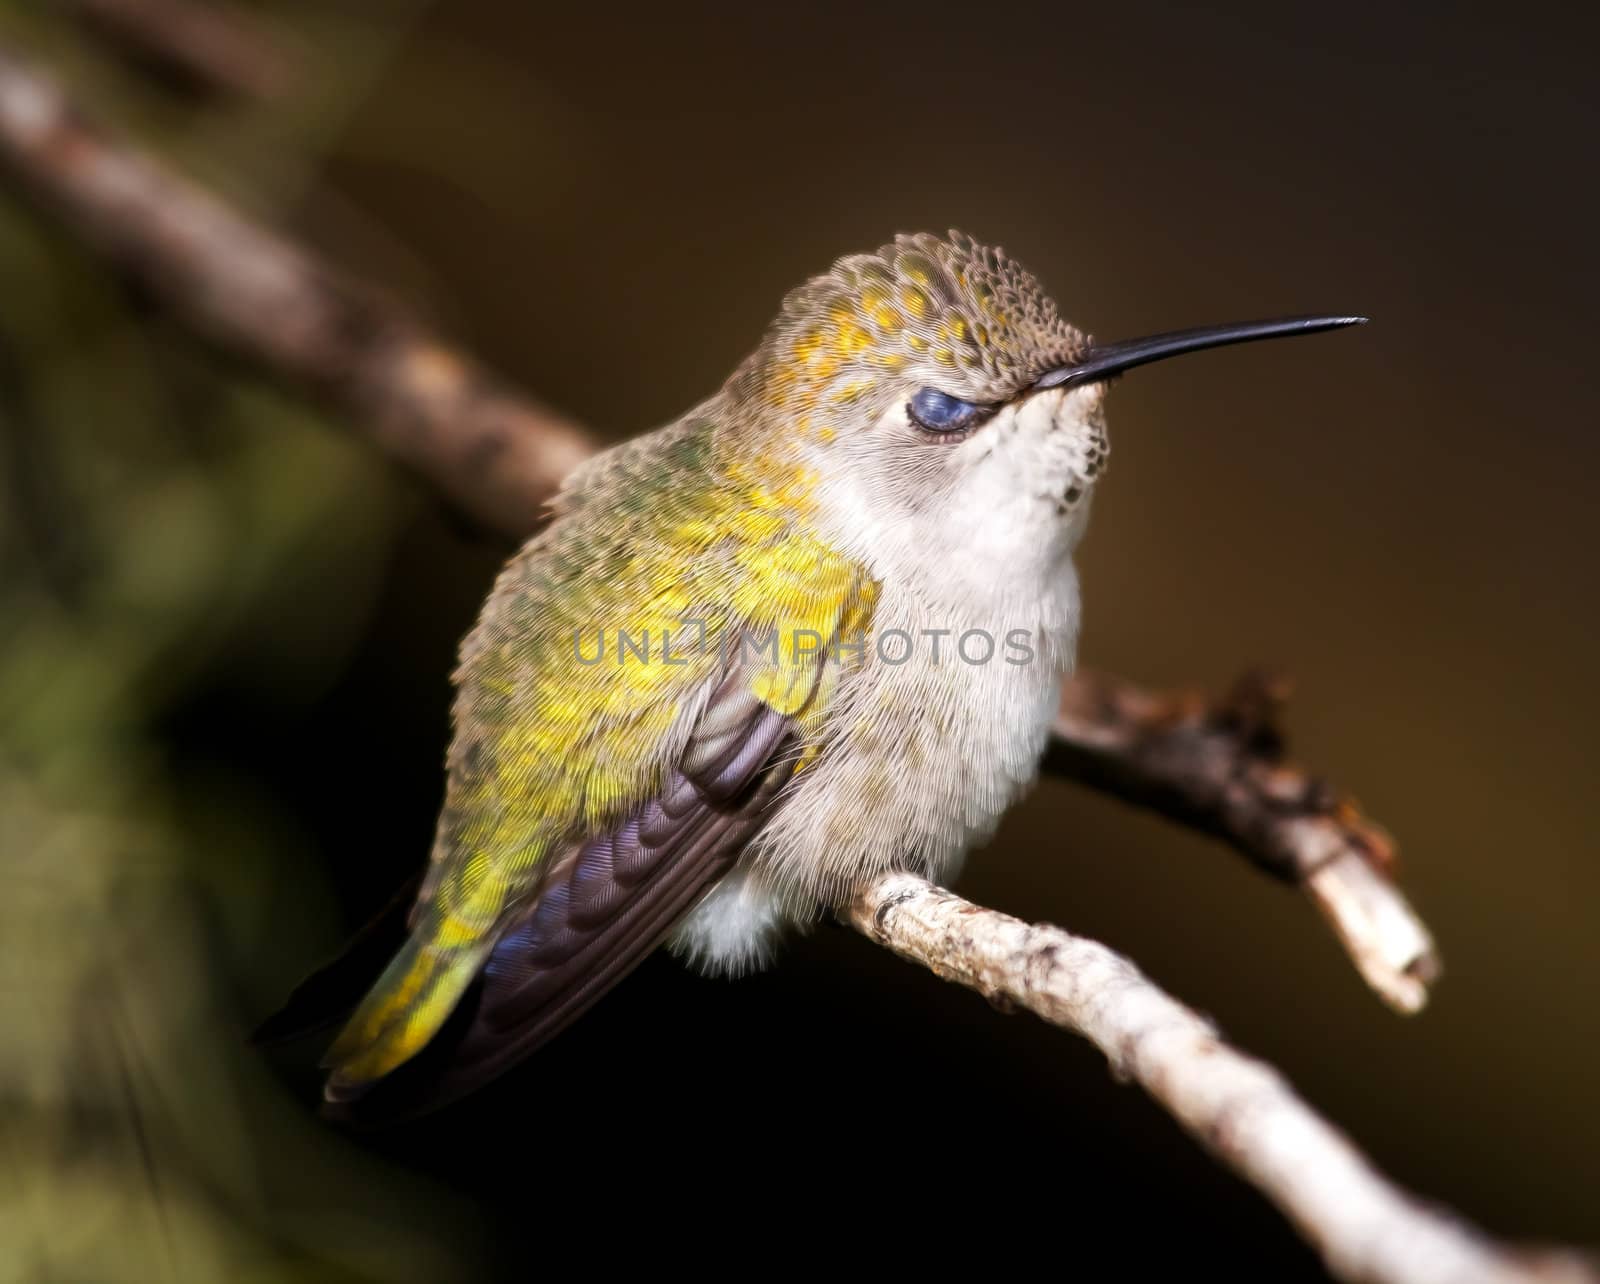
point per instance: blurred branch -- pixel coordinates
(1240, 1109)
(1217, 767)
(214, 48)
(260, 297)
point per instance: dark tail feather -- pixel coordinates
(326, 997)
(569, 946)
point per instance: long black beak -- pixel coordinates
(1103, 360)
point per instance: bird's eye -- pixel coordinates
(940, 412)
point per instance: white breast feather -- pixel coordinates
(922, 758)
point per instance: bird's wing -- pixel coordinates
(603, 906)
(590, 803)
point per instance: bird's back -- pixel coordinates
(582, 686)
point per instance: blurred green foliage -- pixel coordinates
(163, 517)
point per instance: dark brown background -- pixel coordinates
(608, 203)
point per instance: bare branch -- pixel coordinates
(214, 48)
(1242, 1110)
(1219, 767)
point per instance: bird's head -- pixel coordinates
(941, 406)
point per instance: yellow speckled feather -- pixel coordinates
(560, 731)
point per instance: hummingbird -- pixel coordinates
(813, 630)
